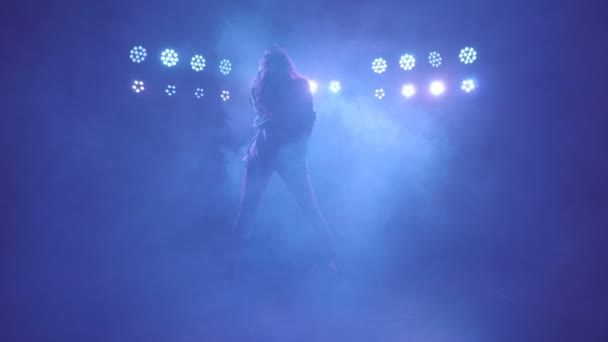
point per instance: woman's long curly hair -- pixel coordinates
(276, 71)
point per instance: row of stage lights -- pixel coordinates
(170, 58)
(408, 90)
(468, 55)
(171, 90)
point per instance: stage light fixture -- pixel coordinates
(225, 66)
(170, 90)
(408, 90)
(379, 94)
(334, 86)
(435, 59)
(437, 88)
(169, 57)
(379, 65)
(199, 93)
(138, 54)
(138, 86)
(468, 85)
(197, 63)
(225, 95)
(407, 62)
(468, 55)
(313, 86)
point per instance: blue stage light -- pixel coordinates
(408, 90)
(225, 67)
(198, 63)
(170, 90)
(468, 85)
(225, 95)
(407, 62)
(437, 88)
(468, 55)
(379, 65)
(334, 86)
(138, 54)
(313, 86)
(379, 94)
(435, 59)
(169, 57)
(138, 86)
(199, 93)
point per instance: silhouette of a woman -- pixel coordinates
(285, 117)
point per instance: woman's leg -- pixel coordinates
(256, 176)
(296, 177)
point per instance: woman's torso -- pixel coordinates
(286, 111)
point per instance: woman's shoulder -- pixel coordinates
(300, 78)
(301, 82)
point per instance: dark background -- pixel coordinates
(465, 218)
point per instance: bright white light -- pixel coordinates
(225, 95)
(468, 55)
(225, 66)
(379, 94)
(313, 86)
(138, 54)
(198, 63)
(435, 59)
(199, 93)
(334, 86)
(468, 85)
(138, 86)
(408, 90)
(379, 65)
(407, 62)
(437, 88)
(170, 90)
(169, 57)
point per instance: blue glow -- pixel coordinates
(225, 95)
(379, 94)
(169, 57)
(199, 93)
